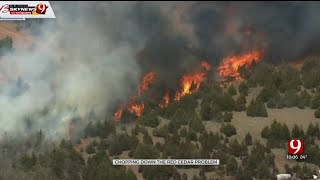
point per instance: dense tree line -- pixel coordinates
(276, 134)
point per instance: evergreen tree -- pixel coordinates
(228, 129)
(145, 151)
(313, 130)
(243, 88)
(131, 175)
(228, 116)
(161, 132)
(147, 139)
(310, 73)
(231, 166)
(265, 132)
(236, 149)
(232, 90)
(196, 124)
(315, 102)
(206, 111)
(241, 103)
(266, 93)
(277, 134)
(297, 132)
(149, 120)
(248, 139)
(257, 109)
(317, 113)
(244, 174)
(291, 98)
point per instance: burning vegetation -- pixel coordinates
(189, 83)
(132, 106)
(165, 100)
(230, 65)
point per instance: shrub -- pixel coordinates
(257, 109)
(206, 111)
(315, 102)
(241, 103)
(196, 125)
(317, 113)
(277, 134)
(232, 90)
(243, 88)
(228, 129)
(291, 98)
(149, 120)
(228, 116)
(248, 139)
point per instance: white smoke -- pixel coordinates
(77, 65)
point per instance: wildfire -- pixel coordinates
(191, 82)
(133, 107)
(79, 146)
(229, 65)
(137, 109)
(146, 81)
(118, 114)
(165, 101)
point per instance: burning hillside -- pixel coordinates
(165, 100)
(132, 106)
(230, 65)
(189, 83)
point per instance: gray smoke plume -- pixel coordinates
(81, 62)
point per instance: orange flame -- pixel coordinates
(77, 147)
(191, 82)
(132, 107)
(136, 109)
(118, 114)
(230, 65)
(146, 81)
(166, 100)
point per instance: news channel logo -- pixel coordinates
(296, 150)
(21, 10)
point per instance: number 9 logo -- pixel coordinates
(41, 8)
(295, 146)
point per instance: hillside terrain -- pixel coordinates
(295, 110)
(245, 123)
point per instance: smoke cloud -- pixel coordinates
(80, 63)
(93, 54)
